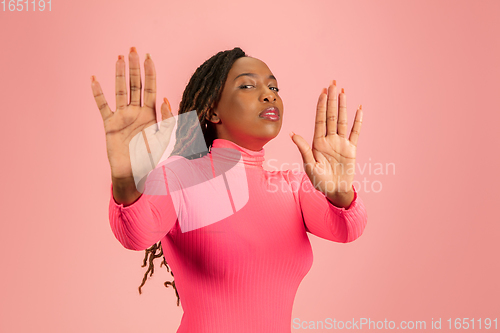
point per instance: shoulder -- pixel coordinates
(170, 170)
(180, 165)
(173, 162)
(186, 171)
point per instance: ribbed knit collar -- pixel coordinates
(226, 150)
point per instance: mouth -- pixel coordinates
(271, 113)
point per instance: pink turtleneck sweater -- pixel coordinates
(240, 251)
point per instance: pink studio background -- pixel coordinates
(425, 72)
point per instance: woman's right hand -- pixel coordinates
(129, 119)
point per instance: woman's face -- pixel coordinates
(249, 90)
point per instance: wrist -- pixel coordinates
(341, 199)
(125, 191)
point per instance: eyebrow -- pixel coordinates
(254, 75)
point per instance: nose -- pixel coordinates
(268, 95)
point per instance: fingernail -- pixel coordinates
(120, 57)
(291, 134)
(148, 56)
(92, 78)
(168, 104)
(360, 106)
(334, 82)
(343, 91)
(133, 49)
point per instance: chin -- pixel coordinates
(269, 136)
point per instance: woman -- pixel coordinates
(240, 273)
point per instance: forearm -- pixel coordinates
(141, 224)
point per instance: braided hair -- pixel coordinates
(202, 94)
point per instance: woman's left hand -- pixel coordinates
(330, 164)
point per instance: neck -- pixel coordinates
(255, 144)
(225, 151)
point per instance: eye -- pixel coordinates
(245, 85)
(275, 88)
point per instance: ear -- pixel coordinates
(213, 117)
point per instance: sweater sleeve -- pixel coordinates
(328, 221)
(147, 220)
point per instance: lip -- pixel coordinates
(272, 113)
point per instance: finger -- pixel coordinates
(100, 99)
(332, 109)
(356, 127)
(166, 110)
(121, 84)
(167, 123)
(168, 120)
(305, 151)
(149, 83)
(320, 128)
(135, 77)
(342, 122)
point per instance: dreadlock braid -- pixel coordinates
(202, 94)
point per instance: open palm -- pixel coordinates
(130, 119)
(330, 163)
